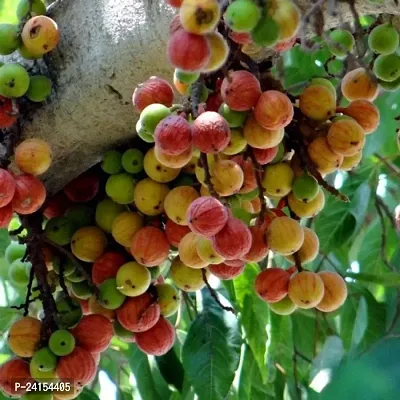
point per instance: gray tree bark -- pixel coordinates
(107, 48)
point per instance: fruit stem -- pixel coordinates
(298, 262)
(214, 294)
(207, 176)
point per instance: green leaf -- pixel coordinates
(251, 385)
(329, 357)
(171, 369)
(4, 241)
(361, 322)
(254, 312)
(339, 221)
(347, 318)
(211, 352)
(7, 316)
(387, 279)
(140, 366)
(88, 395)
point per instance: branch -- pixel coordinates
(387, 211)
(213, 293)
(383, 237)
(390, 166)
(195, 96)
(64, 286)
(298, 262)
(258, 171)
(207, 176)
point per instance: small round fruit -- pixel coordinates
(305, 188)
(133, 279)
(39, 88)
(88, 243)
(120, 188)
(177, 203)
(306, 289)
(60, 230)
(318, 103)
(9, 38)
(12, 372)
(272, 284)
(61, 342)
(149, 196)
(125, 226)
(226, 272)
(80, 215)
(206, 251)
(106, 213)
(186, 278)
(186, 77)
(124, 334)
(219, 49)
(235, 119)
(69, 312)
(14, 251)
(30, 194)
(266, 33)
(309, 209)
(158, 340)
(7, 187)
(335, 292)
(24, 336)
(169, 299)
(14, 80)
(40, 35)
(45, 359)
(18, 273)
(152, 115)
(199, 16)
(188, 252)
(156, 170)
(132, 161)
(112, 162)
(83, 188)
(81, 290)
(278, 179)
(322, 155)
(309, 249)
(177, 161)
(383, 39)
(33, 156)
(358, 84)
(242, 15)
(259, 137)
(287, 14)
(285, 235)
(283, 307)
(236, 144)
(341, 42)
(386, 67)
(351, 162)
(365, 113)
(36, 7)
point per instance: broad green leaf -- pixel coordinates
(339, 221)
(7, 316)
(347, 318)
(140, 366)
(171, 369)
(88, 395)
(254, 313)
(379, 374)
(360, 323)
(281, 347)
(387, 279)
(329, 357)
(251, 385)
(211, 352)
(4, 241)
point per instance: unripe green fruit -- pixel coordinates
(383, 39)
(28, 55)
(152, 115)
(69, 313)
(143, 133)
(235, 119)
(121, 332)
(39, 88)
(75, 276)
(9, 38)
(305, 188)
(14, 251)
(62, 342)
(120, 188)
(110, 297)
(390, 86)
(132, 161)
(67, 264)
(18, 273)
(248, 196)
(14, 80)
(335, 67)
(45, 360)
(38, 8)
(81, 290)
(168, 298)
(80, 215)
(283, 307)
(342, 42)
(186, 77)
(41, 376)
(242, 15)
(112, 162)
(280, 154)
(133, 279)
(266, 33)
(106, 212)
(60, 230)
(386, 68)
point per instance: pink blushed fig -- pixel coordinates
(240, 90)
(7, 187)
(83, 188)
(234, 240)
(249, 176)
(175, 232)
(224, 271)
(210, 132)
(173, 135)
(259, 247)
(272, 284)
(265, 156)
(30, 194)
(6, 214)
(207, 216)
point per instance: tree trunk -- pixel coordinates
(107, 48)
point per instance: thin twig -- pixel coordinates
(390, 166)
(296, 257)
(207, 176)
(213, 293)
